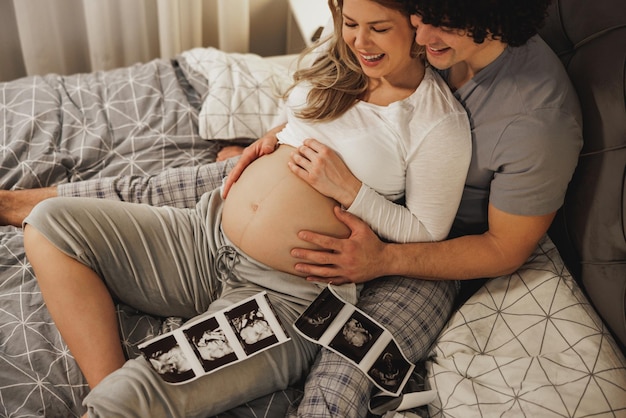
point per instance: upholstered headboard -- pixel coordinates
(590, 231)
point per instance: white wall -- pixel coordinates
(268, 27)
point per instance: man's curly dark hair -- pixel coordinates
(510, 21)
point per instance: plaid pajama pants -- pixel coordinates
(414, 311)
(179, 187)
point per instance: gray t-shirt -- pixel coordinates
(526, 132)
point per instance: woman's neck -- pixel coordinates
(387, 90)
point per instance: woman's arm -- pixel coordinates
(436, 169)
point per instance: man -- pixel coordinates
(526, 128)
(527, 133)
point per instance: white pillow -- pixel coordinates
(244, 97)
(528, 345)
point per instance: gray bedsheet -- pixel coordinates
(55, 129)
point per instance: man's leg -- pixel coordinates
(414, 311)
(15, 205)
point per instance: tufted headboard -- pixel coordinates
(590, 231)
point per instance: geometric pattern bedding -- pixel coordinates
(528, 344)
(55, 129)
(245, 93)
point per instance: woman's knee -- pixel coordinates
(34, 240)
(38, 248)
(47, 259)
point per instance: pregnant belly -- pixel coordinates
(268, 205)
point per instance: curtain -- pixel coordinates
(71, 36)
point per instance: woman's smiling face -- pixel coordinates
(381, 38)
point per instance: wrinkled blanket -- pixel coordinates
(55, 129)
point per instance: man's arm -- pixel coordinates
(362, 257)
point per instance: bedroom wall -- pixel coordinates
(268, 27)
(12, 66)
(72, 36)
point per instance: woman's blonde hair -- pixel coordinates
(336, 78)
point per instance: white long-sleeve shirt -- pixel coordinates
(418, 148)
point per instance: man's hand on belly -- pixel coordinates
(356, 259)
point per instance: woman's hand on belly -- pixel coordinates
(262, 146)
(324, 170)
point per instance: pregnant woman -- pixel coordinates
(386, 128)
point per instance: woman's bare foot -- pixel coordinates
(15, 205)
(229, 152)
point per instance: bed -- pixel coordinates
(534, 343)
(133, 121)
